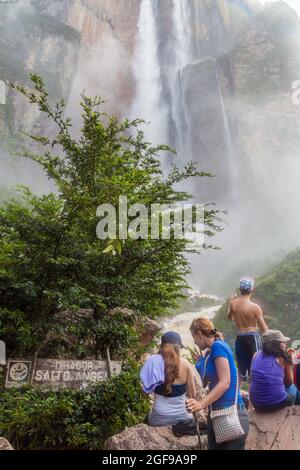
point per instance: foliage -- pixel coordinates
(278, 292)
(50, 257)
(34, 418)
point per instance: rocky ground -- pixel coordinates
(275, 431)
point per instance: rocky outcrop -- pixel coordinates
(147, 329)
(107, 29)
(143, 437)
(224, 93)
(67, 344)
(70, 44)
(94, 19)
(41, 43)
(256, 77)
(275, 431)
(5, 445)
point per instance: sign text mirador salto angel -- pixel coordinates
(62, 373)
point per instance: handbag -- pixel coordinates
(225, 422)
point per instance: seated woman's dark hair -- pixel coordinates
(272, 348)
(171, 357)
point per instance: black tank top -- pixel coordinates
(177, 390)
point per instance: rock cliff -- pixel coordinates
(275, 431)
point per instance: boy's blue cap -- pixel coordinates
(171, 337)
(247, 284)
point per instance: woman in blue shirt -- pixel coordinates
(217, 369)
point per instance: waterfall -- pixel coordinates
(148, 102)
(182, 49)
(233, 177)
(182, 29)
(168, 60)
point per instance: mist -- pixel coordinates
(212, 79)
(255, 133)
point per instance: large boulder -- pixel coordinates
(147, 329)
(143, 437)
(4, 444)
(275, 431)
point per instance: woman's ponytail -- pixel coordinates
(206, 327)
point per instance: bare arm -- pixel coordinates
(190, 383)
(288, 375)
(260, 320)
(223, 373)
(230, 313)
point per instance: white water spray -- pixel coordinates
(148, 103)
(182, 50)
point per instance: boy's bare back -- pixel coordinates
(247, 315)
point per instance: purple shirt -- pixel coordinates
(267, 381)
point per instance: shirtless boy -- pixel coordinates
(250, 323)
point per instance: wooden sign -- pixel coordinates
(18, 373)
(61, 373)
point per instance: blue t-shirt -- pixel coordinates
(220, 349)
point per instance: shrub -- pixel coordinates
(36, 418)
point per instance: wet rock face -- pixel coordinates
(143, 437)
(256, 78)
(94, 20)
(274, 431)
(54, 39)
(40, 43)
(236, 86)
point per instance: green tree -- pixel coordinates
(50, 257)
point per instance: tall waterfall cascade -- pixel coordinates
(167, 71)
(148, 103)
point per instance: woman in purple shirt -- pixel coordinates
(271, 386)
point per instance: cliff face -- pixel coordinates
(32, 41)
(68, 42)
(107, 30)
(73, 45)
(222, 70)
(257, 77)
(246, 52)
(278, 293)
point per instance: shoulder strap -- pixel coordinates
(237, 387)
(205, 363)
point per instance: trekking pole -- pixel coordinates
(198, 431)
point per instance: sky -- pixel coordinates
(295, 4)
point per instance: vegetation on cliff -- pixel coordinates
(51, 258)
(59, 282)
(278, 292)
(35, 418)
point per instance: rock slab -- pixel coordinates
(4, 444)
(143, 437)
(275, 431)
